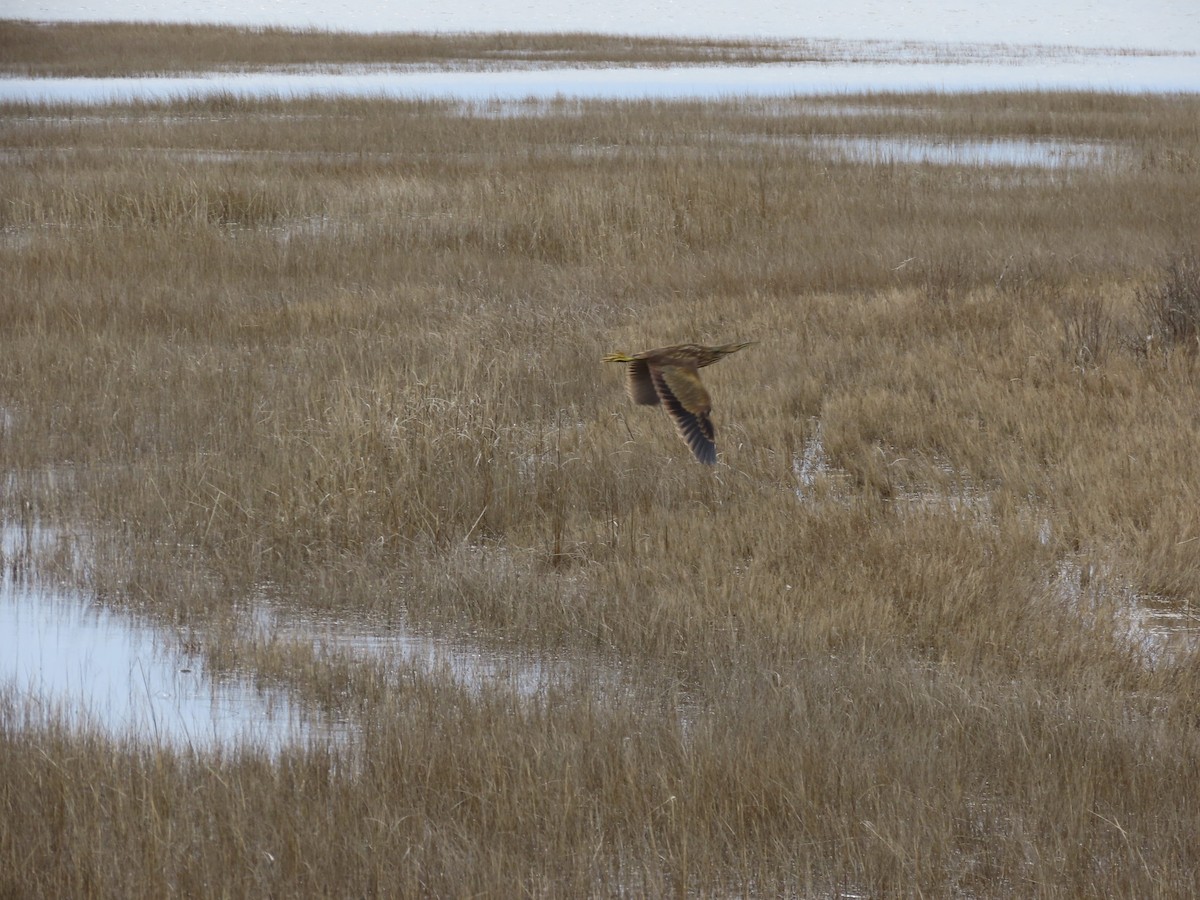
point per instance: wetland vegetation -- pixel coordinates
(142, 48)
(928, 627)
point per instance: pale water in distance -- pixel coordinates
(1160, 25)
(1149, 24)
(1149, 74)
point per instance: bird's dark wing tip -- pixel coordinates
(705, 452)
(696, 430)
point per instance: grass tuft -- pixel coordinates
(1172, 303)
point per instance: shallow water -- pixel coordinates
(1020, 153)
(865, 150)
(1161, 629)
(71, 659)
(401, 649)
(1101, 72)
(77, 661)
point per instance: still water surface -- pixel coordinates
(75, 660)
(71, 659)
(1152, 74)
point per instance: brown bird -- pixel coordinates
(668, 376)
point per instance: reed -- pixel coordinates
(342, 359)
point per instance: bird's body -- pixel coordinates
(669, 376)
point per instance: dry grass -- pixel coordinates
(131, 48)
(348, 355)
(70, 49)
(1172, 305)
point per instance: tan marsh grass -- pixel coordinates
(343, 359)
(99, 49)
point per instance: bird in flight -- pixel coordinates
(669, 376)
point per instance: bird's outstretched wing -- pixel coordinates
(639, 383)
(688, 404)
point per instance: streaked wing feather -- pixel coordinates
(640, 385)
(688, 404)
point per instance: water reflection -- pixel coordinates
(1164, 630)
(859, 149)
(69, 659)
(401, 649)
(77, 661)
(1105, 72)
(1021, 153)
